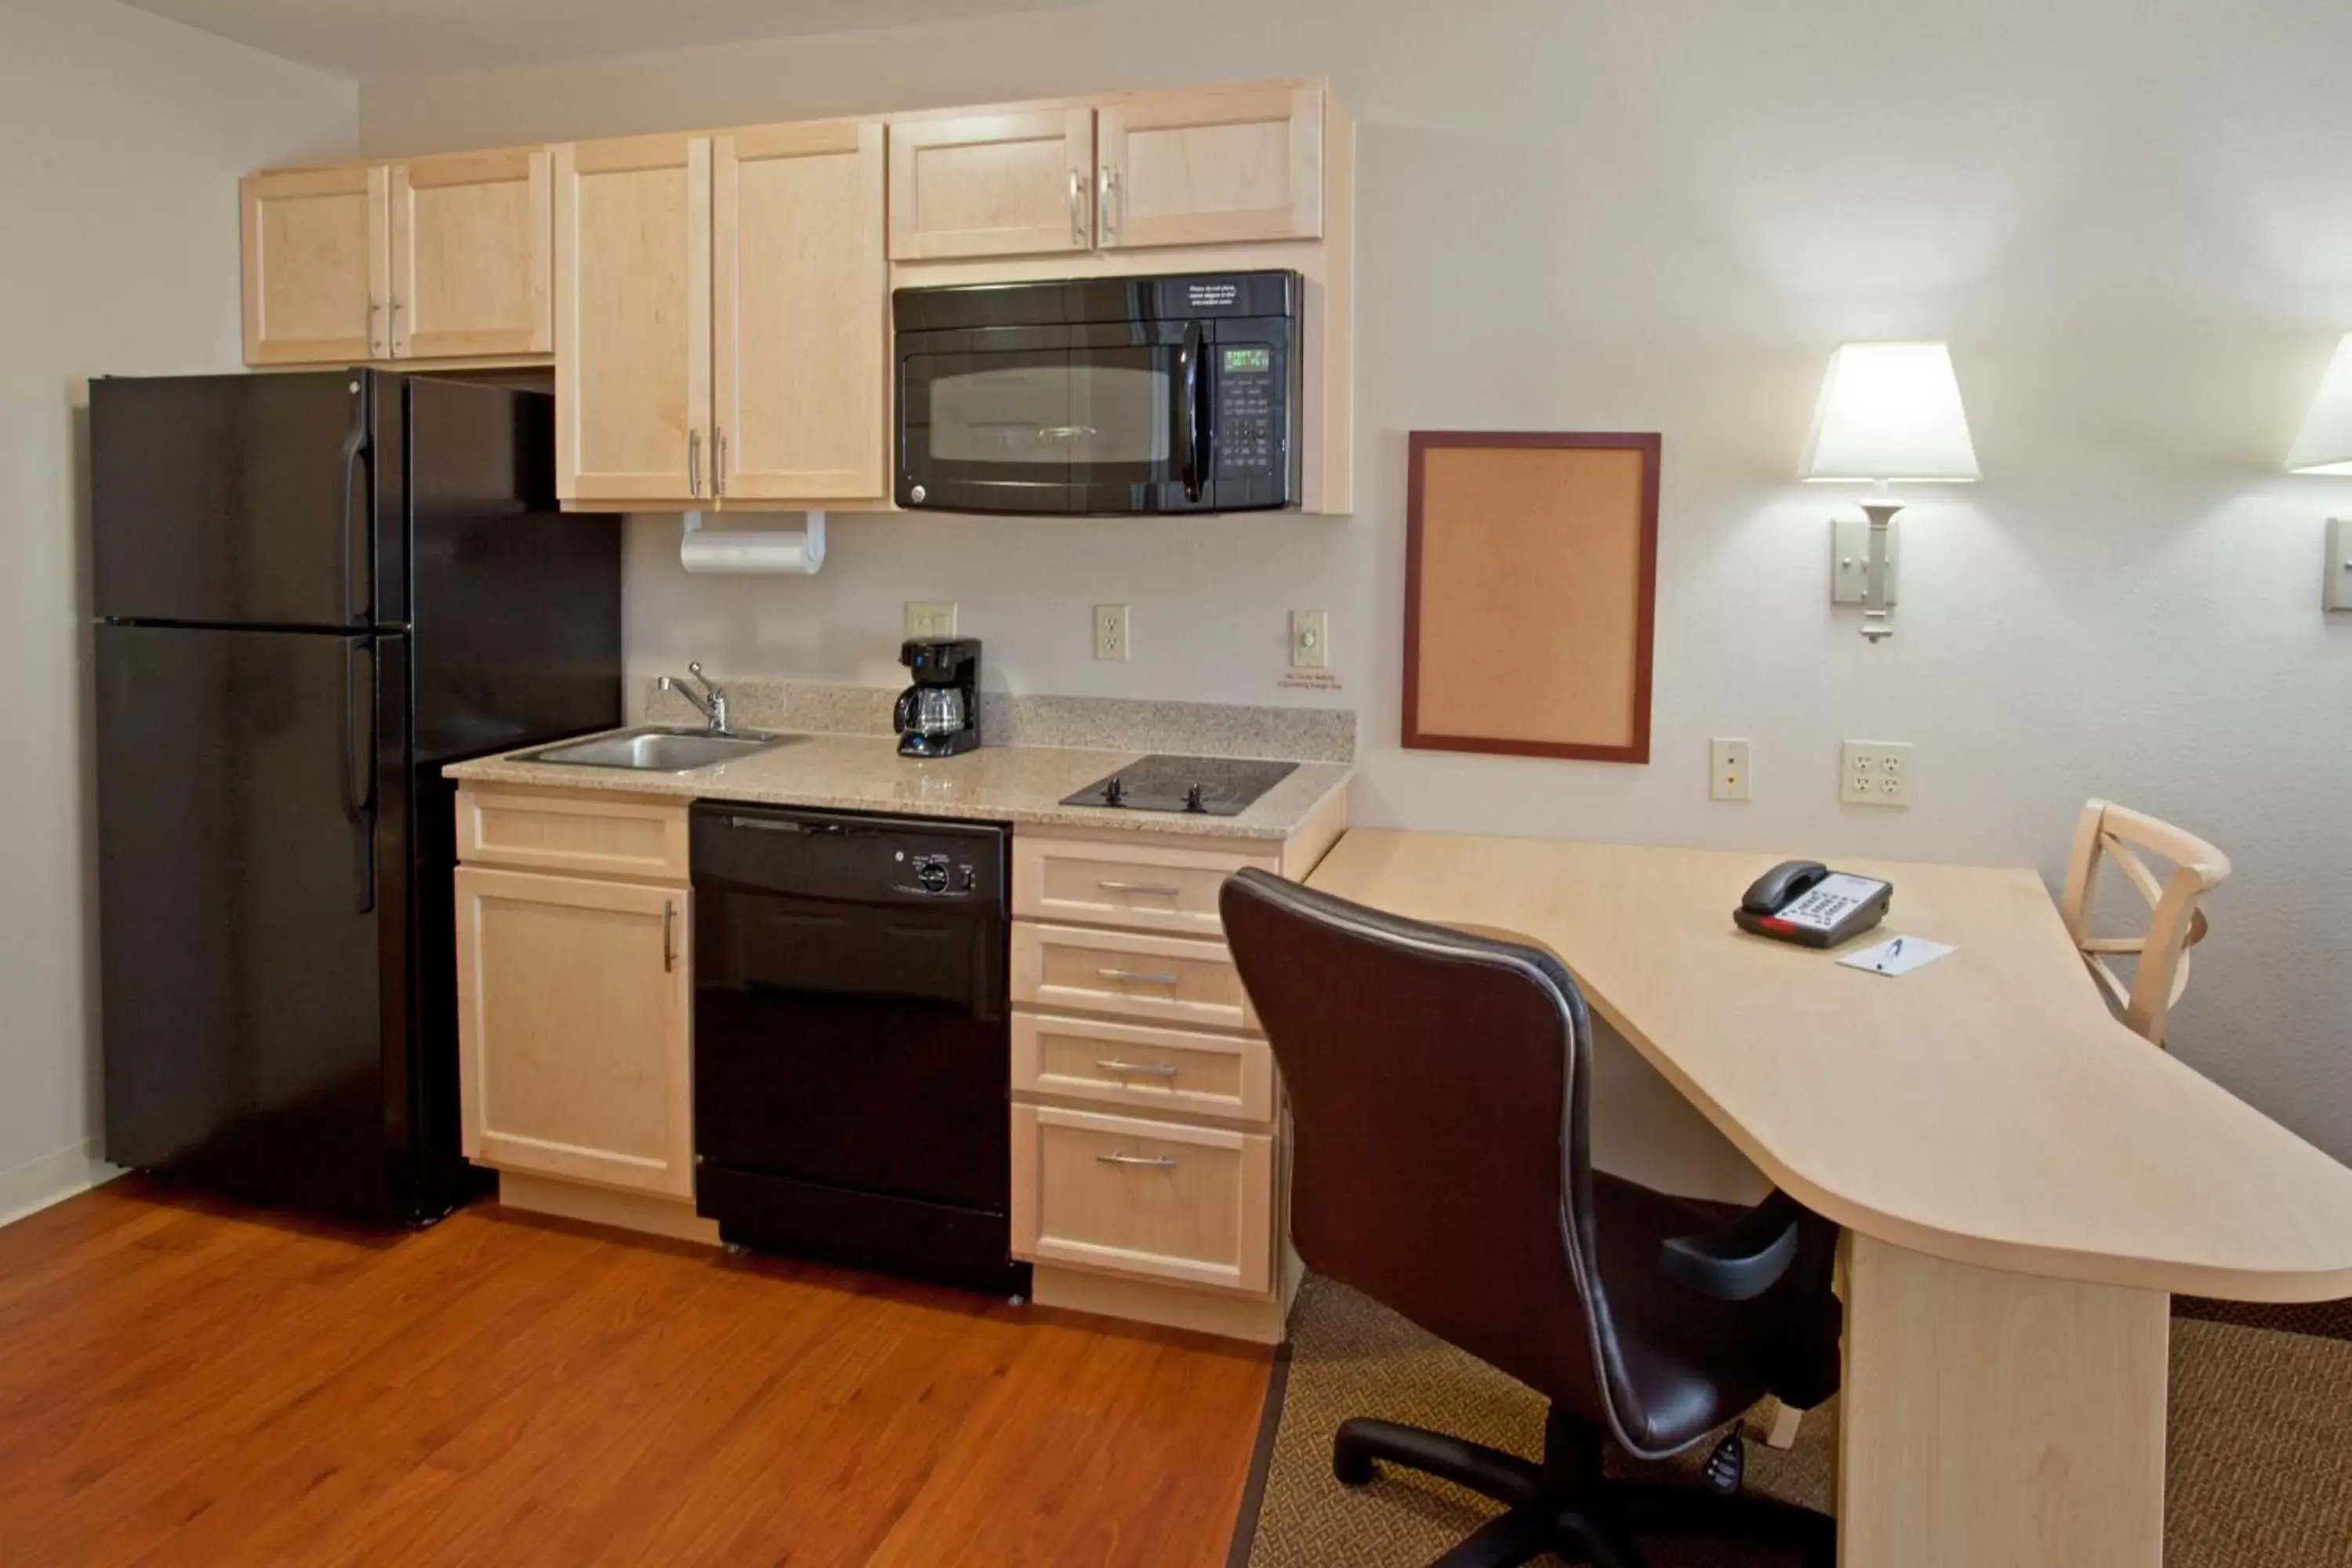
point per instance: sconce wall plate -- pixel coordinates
(1849, 552)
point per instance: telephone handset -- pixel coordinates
(1804, 902)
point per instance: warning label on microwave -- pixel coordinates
(1212, 294)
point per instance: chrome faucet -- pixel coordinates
(711, 704)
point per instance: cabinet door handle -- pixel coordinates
(1162, 889)
(1146, 1161)
(670, 943)
(694, 462)
(1140, 979)
(718, 461)
(1107, 205)
(1078, 210)
(1145, 1069)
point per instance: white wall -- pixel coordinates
(118, 253)
(2133, 223)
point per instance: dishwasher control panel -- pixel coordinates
(940, 875)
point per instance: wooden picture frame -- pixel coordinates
(1530, 597)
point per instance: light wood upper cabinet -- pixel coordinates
(574, 1028)
(1005, 184)
(316, 259)
(1211, 165)
(801, 290)
(470, 262)
(632, 319)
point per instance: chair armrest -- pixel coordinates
(1741, 1260)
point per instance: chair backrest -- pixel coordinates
(1440, 1159)
(2175, 923)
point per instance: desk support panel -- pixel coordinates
(1997, 1417)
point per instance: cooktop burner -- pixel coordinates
(1208, 786)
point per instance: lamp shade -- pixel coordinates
(2324, 446)
(1891, 410)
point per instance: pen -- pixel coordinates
(1894, 950)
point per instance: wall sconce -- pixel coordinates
(1890, 413)
(2324, 446)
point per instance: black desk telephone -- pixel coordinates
(1804, 902)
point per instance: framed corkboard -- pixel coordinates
(1530, 593)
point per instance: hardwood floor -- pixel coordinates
(184, 1383)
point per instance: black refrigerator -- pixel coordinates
(312, 590)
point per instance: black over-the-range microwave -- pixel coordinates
(1101, 394)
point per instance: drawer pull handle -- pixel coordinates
(1158, 889)
(1146, 1161)
(1147, 1069)
(1139, 978)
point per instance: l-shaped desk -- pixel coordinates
(2022, 1180)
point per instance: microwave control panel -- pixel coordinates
(1252, 397)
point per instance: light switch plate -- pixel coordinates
(926, 618)
(1110, 632)
(2338, 594)
(1727, 768)
(1876, 772)
(1850, 551)
(1310, 639)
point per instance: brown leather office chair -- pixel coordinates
(1437, 1087)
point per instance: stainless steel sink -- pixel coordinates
(655, 749)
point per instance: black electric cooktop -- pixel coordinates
(1206, 786)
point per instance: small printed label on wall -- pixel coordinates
(1309, 681)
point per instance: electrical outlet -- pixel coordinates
(1310, 640)
(1726, 766)
(1110, 631)
(1876, 772)
(928, 619)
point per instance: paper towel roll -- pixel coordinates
(748, 549)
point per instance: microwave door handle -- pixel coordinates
(1188, 369)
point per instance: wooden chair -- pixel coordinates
(2113, 832)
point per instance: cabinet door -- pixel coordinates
(574, 1019)
(1194, 168)
(470, 241)
(991, 184)
(316, 255)
(632, 319)
(799, 289)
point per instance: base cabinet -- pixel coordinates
(574, 1028)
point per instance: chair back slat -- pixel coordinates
(2107, 832)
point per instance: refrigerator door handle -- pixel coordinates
(355, 447)
(358, 768)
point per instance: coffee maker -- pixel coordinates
(939, 714)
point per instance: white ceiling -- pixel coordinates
(375, 38)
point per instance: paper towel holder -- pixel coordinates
(769, 552)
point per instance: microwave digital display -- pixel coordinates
(1255, 360)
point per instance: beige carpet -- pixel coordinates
(2260, 1474)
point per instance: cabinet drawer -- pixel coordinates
(558, 830)
(1191, 1204)
(1142, 1067)
(1170, 979)
(1148, 889)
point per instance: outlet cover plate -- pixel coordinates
(1727, 768)
(1848, 555)
(1876, 772)
(1110, 632)
(930, 618)
(2338, 594)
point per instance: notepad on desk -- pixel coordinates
(1900, 956)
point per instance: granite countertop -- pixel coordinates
(866, 773)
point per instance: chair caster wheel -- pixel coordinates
(1727, 1467)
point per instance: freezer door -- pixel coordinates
(252, 941)
(235, 499)
(514, 608)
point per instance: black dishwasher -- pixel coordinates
(852, 1053)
